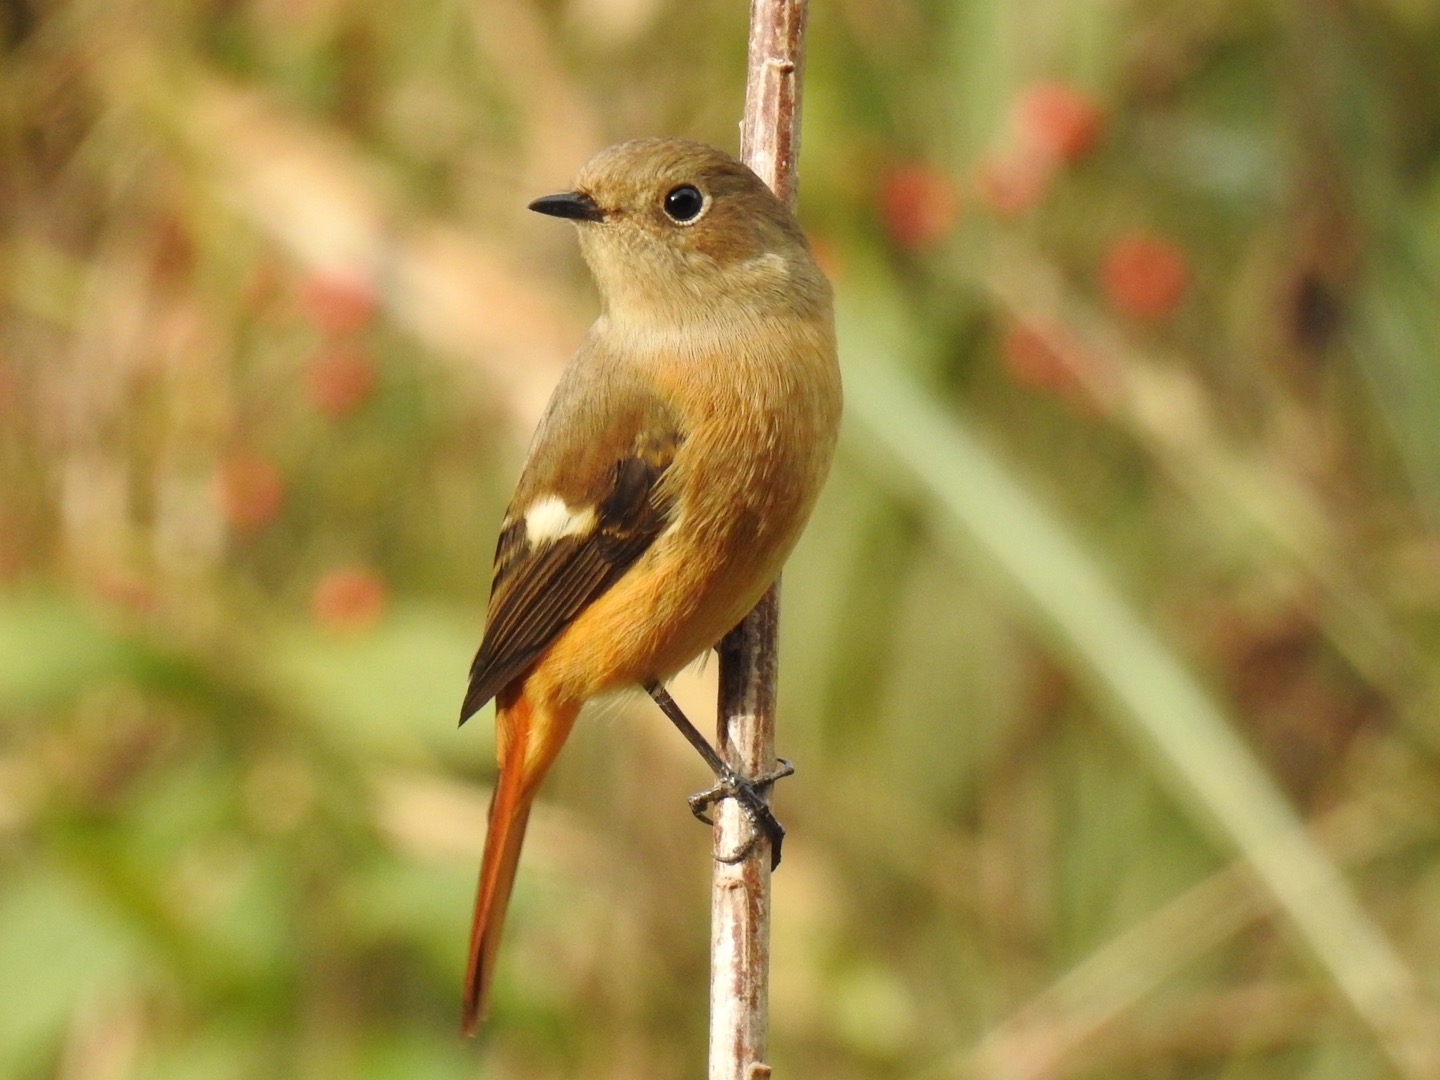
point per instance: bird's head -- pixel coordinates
(675, 230)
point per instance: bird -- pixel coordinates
(669, 477)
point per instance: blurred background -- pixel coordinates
(1109, 661)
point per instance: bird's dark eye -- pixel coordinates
(684, 203)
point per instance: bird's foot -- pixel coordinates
(731, 785)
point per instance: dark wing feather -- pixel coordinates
(539, 589)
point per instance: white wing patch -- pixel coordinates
(548, 519)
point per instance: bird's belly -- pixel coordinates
(675, 603)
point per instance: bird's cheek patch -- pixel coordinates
(549, 519)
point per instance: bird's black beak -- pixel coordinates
(575, 205)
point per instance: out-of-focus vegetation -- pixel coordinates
(1128, 568)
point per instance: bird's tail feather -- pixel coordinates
(509, 813)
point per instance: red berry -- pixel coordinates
(250, 490)
(337, 302)
(349, 598)
(1057, 119)
(131, 592)
(339, 378)
(1045, 358)
(918, 204)
(1145, 276)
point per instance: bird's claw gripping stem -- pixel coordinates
(730, 785)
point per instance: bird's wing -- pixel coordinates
(580, 518)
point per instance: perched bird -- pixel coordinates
(670, 476)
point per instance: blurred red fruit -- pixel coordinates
(918, 204)
(1145, 276)
(339, 378)
(1012, 182)
(1057, 119)
(250, 490)
(336, 302)
(1049, 358)
(349, 598)
(129, 591)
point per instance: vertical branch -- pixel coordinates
(740, 900)
(740, 897)
(770, 130)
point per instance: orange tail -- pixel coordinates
(528, 743)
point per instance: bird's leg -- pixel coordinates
(728, 783)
